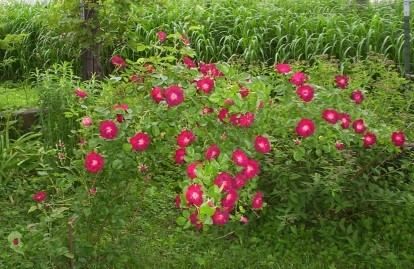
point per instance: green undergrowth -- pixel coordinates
(17, 96)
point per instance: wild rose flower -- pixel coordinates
(357, 97)
(305, 92)
(137, 79)
(162, 36)
(228, 201)
(194, 195)
(223, 113)
(81, 94)
(229, 102)
(205, 85)
(244, 92)
(398, 138)
(212, 152)
(283, 68)
(150, 68)
(305, 127)
(243, 219)
(251, 169)
(157, 94)
(189, 62)
(179, 155)
(262, 144)
(345, 120)
(339, 146)
(234, 119)
(185, 138)
(341, 81)
(359, 126)
(174, 96)
(119, 117)
(330, 115)
(140, 142)
(240, 181)
(224, 180)
(16, 241)
(118, 61)
(210, 70)
(195, 221)
(220, 217)
(245, 120)
(94, 162)
(86, 121)
(207, 110)
(239, 157)
(108, 129)
(192, 169)
(92, 191)
(298, 78)
(257, 201)
(369, 139)
(39, 196)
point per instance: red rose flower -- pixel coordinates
(207, 110)
(174, 96)
(212, 152)
(330, 115)
(228, 201)
(185, 138)
(94, 162)
(245, 120)
(339, 146)
(194, 195)
(224, 180)
(283, 68)
(220, 217)
(16, 241)
(39, 196)
(205, 85)
(305, 127)
(178, 201)
(359, 126)
(86, 121)
(118, 62)
(179, 155)
(257, 201)
(251, 169)
(298, 78)
(192, 169)
(195, 221)
(369, 139)
(150, 68)
(157, 94)
(119, 117)
(244, 92)
(398, 138)
(140, 141)
(345, 120)
(357, 97)
(305, 92)
(108, 129)
(262, 144)
(81, 94)
(162, 36)
(223, 114)
(210, 70)
(240, 180)
(240, 158)
(189, 62)
(234, 119)
(229, 102)
(341, 81)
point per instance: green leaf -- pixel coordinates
(206, 209)
(69, 255)
(117, 164)
(32, 208)
(181, 221)
(215, 98)
(126, 147)
(297, 155)
(155, 130)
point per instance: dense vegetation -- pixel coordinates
(334, 196)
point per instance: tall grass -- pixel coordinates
(268, 31)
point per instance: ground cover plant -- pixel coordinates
(299, 161)
(266, 31)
